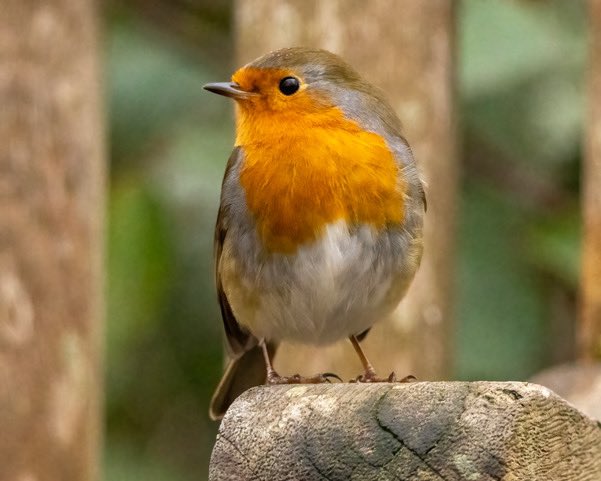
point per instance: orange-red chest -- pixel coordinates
(300, 178)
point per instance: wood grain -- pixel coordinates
(418, 431)
(579, 383)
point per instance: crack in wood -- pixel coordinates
(400, 440)
(231, 443)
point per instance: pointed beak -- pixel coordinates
(229, 89)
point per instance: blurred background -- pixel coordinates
(520, 66)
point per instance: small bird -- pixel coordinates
(319, 230)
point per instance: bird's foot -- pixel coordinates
(371, 376)
(274, 378)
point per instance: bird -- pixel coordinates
(319, 228)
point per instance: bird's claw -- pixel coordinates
(328, 375)
(275, 378)
(370, 377)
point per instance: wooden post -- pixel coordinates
(51, 211)
(418, 431)
(406, 48)
(590, 326)
(578, 383)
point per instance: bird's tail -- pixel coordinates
(242, 373)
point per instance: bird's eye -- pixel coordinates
(289, 85)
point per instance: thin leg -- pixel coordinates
(274, 378)
(369, 369)
(370, 373)
(270, 371)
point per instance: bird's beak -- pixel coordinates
(229, 89)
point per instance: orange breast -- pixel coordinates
(301, 173)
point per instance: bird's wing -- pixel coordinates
(238, 339)
(422, 194)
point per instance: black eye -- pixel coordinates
(289, 85)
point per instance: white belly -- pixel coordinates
(338, 286)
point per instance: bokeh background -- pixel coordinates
(521, 93)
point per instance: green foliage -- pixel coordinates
(169, 147)
(521, 78)
(153, 89)
(124, 463)
(553, 245)
(139, 274)
(501, 332)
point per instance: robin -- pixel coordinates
(319, 231)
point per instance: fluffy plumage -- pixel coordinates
(319, 231)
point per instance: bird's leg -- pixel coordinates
(370, 373)
(274, 378)
(271, 374)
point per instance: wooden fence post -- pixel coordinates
(419, 431)
(407, 49)
(51, 211)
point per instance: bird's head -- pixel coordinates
(303, 88)
(299, 80)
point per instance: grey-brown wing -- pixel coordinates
(238, 339)
(422, 194)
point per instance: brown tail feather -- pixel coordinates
(242, 373)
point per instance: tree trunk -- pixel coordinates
(406, 48)
(51, 205)
(590, 326)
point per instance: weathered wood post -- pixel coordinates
(418, 431)
(407, 49)
(51, 211)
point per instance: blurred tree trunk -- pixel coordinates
(51, 204)
(407, 49)
(590, 327)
